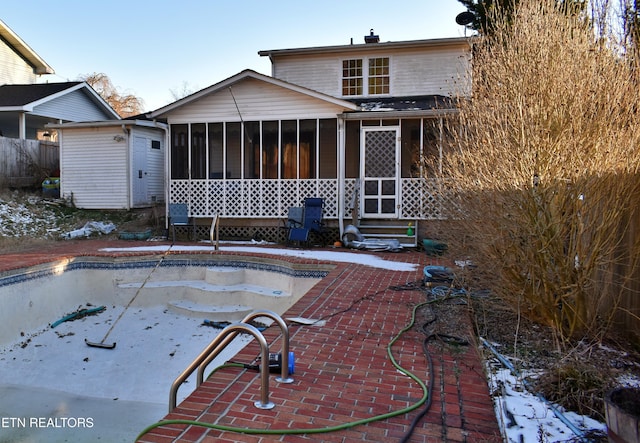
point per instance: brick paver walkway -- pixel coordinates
(343, 374)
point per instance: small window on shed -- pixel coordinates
(155, 144)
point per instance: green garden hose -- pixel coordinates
(328, 429)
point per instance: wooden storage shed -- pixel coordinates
(112, 164)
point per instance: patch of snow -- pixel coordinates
(525, 417)
(336, 256)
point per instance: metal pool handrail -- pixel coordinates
(215, 348)
(284, 374)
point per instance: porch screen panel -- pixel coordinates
(233, 150)
(179, 152)
(432, 161)
(307, 149)
(328, 148)
(251, 136)
(216, 146)
(270, 149)
(198, 151)
(289, 149)
(352, 149)
(410, 148)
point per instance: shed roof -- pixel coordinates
(110, 123)
(21, 48)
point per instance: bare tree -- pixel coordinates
(184, 90)
(125, 105)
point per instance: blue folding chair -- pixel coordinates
(179, 216)
(311, 221)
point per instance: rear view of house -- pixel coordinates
(349, 124)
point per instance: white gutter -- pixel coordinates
(127, 135)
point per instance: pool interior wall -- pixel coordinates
(41, 295)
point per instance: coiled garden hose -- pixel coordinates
(289, 431)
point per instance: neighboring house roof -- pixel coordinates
(248, 73)
(12, 39)
(26, 97)
(23, 95)
(366, 47)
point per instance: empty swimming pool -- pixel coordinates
(55, 387)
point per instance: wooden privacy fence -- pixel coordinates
(620, 280)
(25, 163)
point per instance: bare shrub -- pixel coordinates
(544, 159)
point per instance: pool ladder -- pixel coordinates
(222, 340)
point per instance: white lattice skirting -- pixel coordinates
(424, 199)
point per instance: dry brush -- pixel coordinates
(545, 159)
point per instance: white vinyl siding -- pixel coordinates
(75, 107)
(435, 70)
(94, 168)
(256, 100)
(14, 69)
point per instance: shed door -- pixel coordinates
(139, 178)
(380, 172)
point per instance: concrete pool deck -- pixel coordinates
(343, 373)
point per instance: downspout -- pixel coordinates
(167, 173)
(341, 174)
(127, 132)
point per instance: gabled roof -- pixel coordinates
(26, 97)
(248, 73)
(22, 49)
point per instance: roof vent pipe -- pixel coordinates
(371, 38)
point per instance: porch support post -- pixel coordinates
(22, 125)
(167, 171)
(341, 174)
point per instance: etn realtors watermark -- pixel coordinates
(47, 422)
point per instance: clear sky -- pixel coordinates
(151, 48)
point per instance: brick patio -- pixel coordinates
(343, 373)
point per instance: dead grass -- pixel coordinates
(29, 221)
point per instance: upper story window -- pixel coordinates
(376, 77)
(352, 77)
(379, 76)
